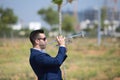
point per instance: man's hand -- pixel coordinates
(61, 40)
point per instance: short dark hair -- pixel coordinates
(34, 35)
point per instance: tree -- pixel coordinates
(49, 15)
(7, 17)
(118, 29)
(59, 4)
(103, 16)
(68, 23)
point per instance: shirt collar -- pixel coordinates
(40, 50)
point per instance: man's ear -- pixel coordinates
(37, 41)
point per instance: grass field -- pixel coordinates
(86, 60)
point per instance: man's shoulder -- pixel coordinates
(34, 52)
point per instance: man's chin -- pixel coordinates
(43, 47)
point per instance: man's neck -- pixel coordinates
(37, 47)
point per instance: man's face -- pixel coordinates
(42, 41)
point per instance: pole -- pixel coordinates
(60, 33)
(60, 21)
(99, 27)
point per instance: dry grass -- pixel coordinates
(86, 60)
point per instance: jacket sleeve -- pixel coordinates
(46, 60)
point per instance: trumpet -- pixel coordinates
(68, 38)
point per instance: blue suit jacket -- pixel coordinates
(45, 66)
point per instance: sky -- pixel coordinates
(26, 10)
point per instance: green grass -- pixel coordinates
(86, 60)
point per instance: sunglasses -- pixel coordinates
(42, 39)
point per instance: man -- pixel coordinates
(45, 66)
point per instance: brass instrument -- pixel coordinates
(68, 38)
